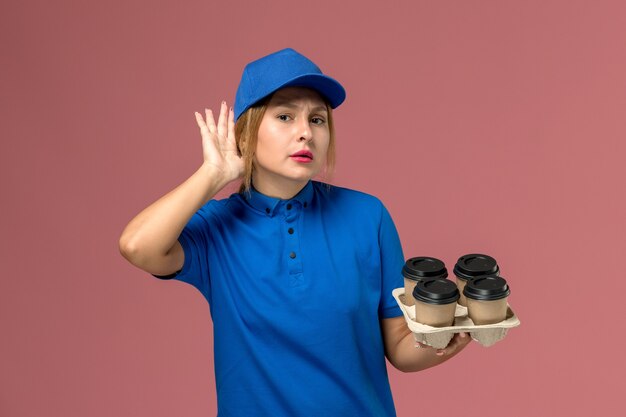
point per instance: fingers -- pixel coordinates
(225, 126)
(231, 123)
(222, 122)
(210, 122)
(438, 352)
(204, 130)
(222, 133)
(458, 342)
(231, 143)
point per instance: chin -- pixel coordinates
(305, 176)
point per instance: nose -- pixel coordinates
(305, 134)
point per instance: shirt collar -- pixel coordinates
(269, 205)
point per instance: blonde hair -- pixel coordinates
(246, 135)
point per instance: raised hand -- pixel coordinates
(218, 143)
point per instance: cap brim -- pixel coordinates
(326, 86)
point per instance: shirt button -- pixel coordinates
(288, 206)
(292, 255)
(290, 230)
(267, 210)
(305, 204)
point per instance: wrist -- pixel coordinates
(217, 177)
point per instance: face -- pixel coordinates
(292, 142)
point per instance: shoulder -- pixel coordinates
(346, 196)
(219, 209)
(351, 205)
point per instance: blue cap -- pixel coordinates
(285, 68)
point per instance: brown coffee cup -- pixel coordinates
(435, 302)
(471, 266)
(487, 299)
(417, 269)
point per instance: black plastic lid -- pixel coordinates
(436, 291)
(474, 265)
(487, 288)
(423, 267)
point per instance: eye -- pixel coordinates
(318, 120)
(283, 117)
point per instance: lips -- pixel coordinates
(302, 156)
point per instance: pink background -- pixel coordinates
(488, 126)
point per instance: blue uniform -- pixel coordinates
(296, 290)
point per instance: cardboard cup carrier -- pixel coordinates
(489, 321)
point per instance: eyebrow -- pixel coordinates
(288, 104)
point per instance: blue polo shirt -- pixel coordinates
(296, 290)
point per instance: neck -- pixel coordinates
(284, 189)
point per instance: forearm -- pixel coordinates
(153, 232)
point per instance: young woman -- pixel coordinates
(298, 274)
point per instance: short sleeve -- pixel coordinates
(392, 260)
(195, 240)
